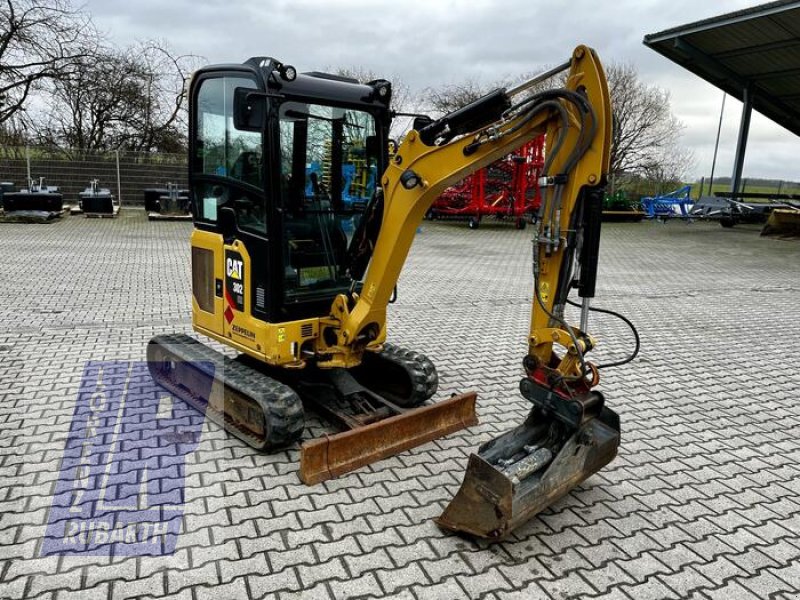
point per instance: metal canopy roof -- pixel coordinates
(753, 52)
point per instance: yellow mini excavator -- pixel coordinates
(293, 270)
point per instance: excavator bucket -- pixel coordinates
(783, 222)
(333, 455)
(515, 476)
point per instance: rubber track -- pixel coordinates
(419, 368)
(280, 405)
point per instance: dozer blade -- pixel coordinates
(522, 472)
(333, 455)
(783, 222)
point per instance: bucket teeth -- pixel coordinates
(522, 472)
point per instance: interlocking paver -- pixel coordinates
(720, 570)
(730, 590)
(311, 574)
(652, 589)
(366, 585)
(449, 588)
(608, 576)
(703, 500)
(261, 585)
(566, 587)
(139, 588)
(362, 563)
(86, 593)
(234, 589)
(437, 570)
(419, 550)
(206, 575)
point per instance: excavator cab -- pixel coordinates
(269, 157)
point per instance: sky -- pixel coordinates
(438, 42)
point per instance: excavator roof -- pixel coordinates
(325, 87)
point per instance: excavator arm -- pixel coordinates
(577, 124)
(569, 433)
(576, 120)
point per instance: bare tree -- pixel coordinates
(646, 134)
(443, 100)
(401, 93)
(161, 122)
(40, 40)
(89, 108)
(133, 98)
(669, 168)
(12, 132)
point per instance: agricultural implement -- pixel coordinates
(673, 204)
(506, 189)
(167, 204)
(97, 202)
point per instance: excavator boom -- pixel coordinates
(424, 166)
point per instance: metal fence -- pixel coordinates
(126, 174)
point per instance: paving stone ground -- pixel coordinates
(702, 502)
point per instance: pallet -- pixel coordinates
(111, 215)
(155, 216)
(31, 216)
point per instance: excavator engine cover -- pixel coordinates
(517, 475)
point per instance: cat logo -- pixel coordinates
(234, 268)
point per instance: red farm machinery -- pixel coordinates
(507, 190)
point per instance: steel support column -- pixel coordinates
(741, 143)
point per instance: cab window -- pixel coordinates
(223, 151)
(328, 170)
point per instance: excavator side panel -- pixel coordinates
(207, 269)
(222, 298)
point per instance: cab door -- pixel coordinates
(227, 180)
